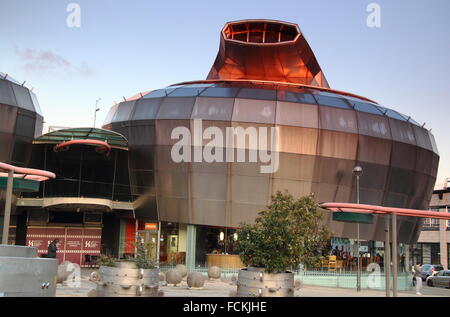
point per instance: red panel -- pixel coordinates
(130, 233)
(73, 245)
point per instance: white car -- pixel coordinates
(440, 279)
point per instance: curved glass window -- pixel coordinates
(220, 92)
(146, 109)
(253, 93)
(8, 116)
(338, 119)
(159, 93)
(422, 137)
(366, 107)
(186, 92)
(176, 108)
(251, 110)
(332, 102)
(6, 93)
(297, 114)
(23, 97)
(373, 125)
(296, 97)
(391, 113)
(25, 124)
(110, 115)
(213, 108)
(402, 131)
(123, 113)
(35, 103)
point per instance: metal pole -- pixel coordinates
(6, 218)
(96, 109)
(387, 257)
(158, 243)
(358, 274)
(394, 255)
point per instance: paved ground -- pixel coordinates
(223, 288)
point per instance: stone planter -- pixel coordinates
(23, 274)
(255, 282)
(126, 280)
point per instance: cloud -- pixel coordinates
(39, 61)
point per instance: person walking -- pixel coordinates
(52, 249)
(418, 278)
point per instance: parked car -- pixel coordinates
(429, 270)
(441, 279)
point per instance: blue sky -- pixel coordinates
(124, 47)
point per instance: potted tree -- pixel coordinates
(287, 234)
(132, 277)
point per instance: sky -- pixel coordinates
(125, 47)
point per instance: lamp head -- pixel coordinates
(357, 171)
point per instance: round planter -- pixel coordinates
(126, 280)
(255, 282)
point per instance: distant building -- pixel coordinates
(434, 240)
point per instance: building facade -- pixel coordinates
(433, 246)
(265, 79)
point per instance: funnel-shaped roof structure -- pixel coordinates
(266, 50)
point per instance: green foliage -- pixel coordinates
(285, 235)
(106, 260)
(143, 257)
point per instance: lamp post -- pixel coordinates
(96, 109)
(357, 171)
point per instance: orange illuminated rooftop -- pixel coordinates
(266, 50)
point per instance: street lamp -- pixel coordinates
(96, 109)
(357, 171)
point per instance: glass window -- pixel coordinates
(213, 108)
(297, 114)
(159, 93)
(424, 161)
(338, 119)
(296, 97)
(39, 126)
(332, 102)
(249, 189)
(433, 143)
(251, 110)
(400, 181)
(6, 93)
(220, 92)
(110, 115)
(186, 92)
(295, 167)
(176, 108)
(36, 103)
(391, 113)
(374, 150)
(7, 118)
(366, 107)
(146, 109)
(165, 128)
(23, 97)
(402, 131)
(403, 155)
(298, 140)
(25, 125)
(373, 125)
(123, 113)
(338, 144)
(422, 137)
(142, 134)
(253, 93)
